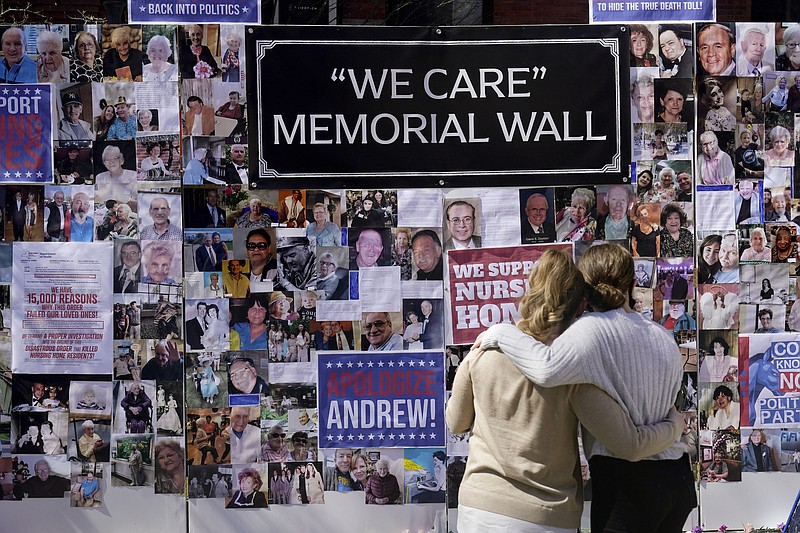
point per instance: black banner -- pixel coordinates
(443, 104)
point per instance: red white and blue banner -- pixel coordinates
(610, 11)
(769, 380)
(26, 134)
(192, 11)
(383, 399)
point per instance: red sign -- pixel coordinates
(486, 285)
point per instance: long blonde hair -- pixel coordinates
(608, 272)
(555, 292)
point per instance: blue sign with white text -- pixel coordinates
(26, 134)
(381, 399)
(610, 11)
(193, 11)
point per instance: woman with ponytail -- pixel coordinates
(523, 480)
(637, 363)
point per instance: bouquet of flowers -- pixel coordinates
(203, 70)
(233, 195)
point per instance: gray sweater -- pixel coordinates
(523, 450)
(633, 359)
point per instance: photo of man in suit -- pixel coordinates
(209, 215)
(126, 275)
(205, 257)
(537, 222)
(676, 62)
(55, 216)
(432, 326)
(196, 328)
(17, 215)
(236, 170)
(460, 221)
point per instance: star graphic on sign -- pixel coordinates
(6, 174)
(5, 91)
(37, 91)
(18, 174)
(371, 436)
(422, 436)
(27, 91)
(142, 8)
(16, 91)
(431, 363)
(411, 436)
(370, 364)
(381, 436)
(329, 365)
(433, 435)
(411, 363)
(339, 364)
(28, 174)
(391, 364)
(246, 9)
(341, 437)
(402, 436)
(39, 174)
(360, 364)
(350, 364)
(380, 364)
(361, 437)
(401, 363)
(330, 437)
(350, 437)
(391, 436)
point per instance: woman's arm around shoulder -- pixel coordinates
(612, 426)
(548, 366)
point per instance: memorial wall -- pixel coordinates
(243, 263)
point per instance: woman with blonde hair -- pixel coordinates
(170, 475)
(401, 252)
(127, 224)
(575, 222)
(645, 237)
(31, 212)
(122, 61)
(526, 482)
(632, 359)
